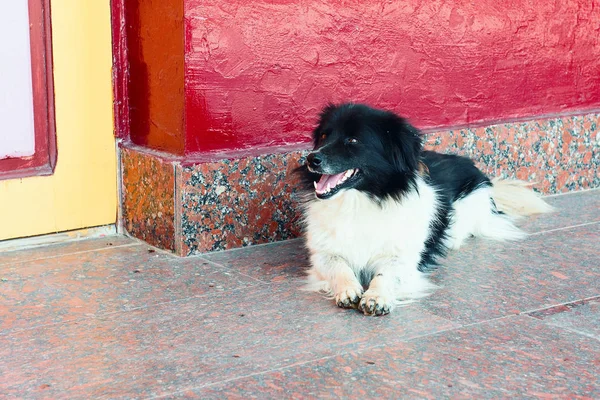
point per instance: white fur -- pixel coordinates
(473, 216)
(350, 232)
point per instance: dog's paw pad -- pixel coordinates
(374, 304)
(348, 298)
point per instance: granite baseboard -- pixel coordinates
(235, 202)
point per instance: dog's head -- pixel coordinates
(358, 147)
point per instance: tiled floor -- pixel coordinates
(112, 318)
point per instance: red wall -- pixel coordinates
(155, 45)
(256, 73)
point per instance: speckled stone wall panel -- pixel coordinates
(560, 154)
(148, 185)
(235, 203)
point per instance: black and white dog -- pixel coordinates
(383, 210)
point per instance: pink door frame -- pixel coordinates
(43, 160)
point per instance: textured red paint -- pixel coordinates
(155, 49)
(258, 72)
(43, 160)
(228, 76)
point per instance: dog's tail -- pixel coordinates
(516, 198)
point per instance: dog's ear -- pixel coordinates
(405, 144)
(324, 115)
(326, 112)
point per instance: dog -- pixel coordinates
(381, 212)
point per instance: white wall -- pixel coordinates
(16, 96)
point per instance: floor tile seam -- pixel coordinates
(3, 264)
(460, 325)
(101, 315)
(527, 312)
(589, 298)
(164, 303)
(426, 335)
(231, 269)
(564, 228)
(581, 191)
(158, 250)
(16, 331)
(240, 377)
(224, 268)
(564, 328)
(253, 246)
(488, 321)
(337, 354)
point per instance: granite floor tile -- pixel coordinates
(485, 280)
(582, 317)
(570, 210)
(79, 246)
(517, 357)
(482, 280)
(277, 262)
(200, 341)
(74, 285)
(91, 319)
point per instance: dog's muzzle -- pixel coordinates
(314, 161)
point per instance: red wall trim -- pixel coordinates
(155, 45)
(120, 73)
(44, 159)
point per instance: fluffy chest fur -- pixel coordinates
(360, 231)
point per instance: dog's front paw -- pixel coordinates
(348, 298)
(373, 303)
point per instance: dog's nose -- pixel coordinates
(314, 160)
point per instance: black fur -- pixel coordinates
(388, 149)
(388, 153)
(454, 177)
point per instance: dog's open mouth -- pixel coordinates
(329, 185)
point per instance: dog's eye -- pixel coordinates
(352, 141)
(323, 136)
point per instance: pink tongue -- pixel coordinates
(331, 179)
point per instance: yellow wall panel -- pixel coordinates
(83, 190)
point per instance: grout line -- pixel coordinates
(571, 330)
(253, 246)
(563, 228)
(570, 193)
(564, 328)
(167, 302)
(588, 299)
(100, 316)
(229, 269)
(64, 237)
(3, 263)
(486, 321)
(249, 286)
(157, 250)
(16, 331)
(235, 378)
(337, 354)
